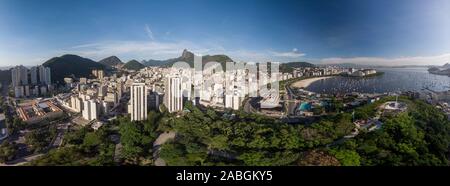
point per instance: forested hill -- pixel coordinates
(71, 65)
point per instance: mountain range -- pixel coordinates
(446, 66)
(188, 57)
(70, 65)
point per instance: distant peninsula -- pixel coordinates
(444, 70)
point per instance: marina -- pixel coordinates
(393, 80)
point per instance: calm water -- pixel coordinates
(394, 79)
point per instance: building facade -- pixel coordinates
(173, 97)
(138, 102)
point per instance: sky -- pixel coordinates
(374, 32)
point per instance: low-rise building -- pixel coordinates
(38, 111)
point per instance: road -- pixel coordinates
(162, 138)
(61, 130)
(289, 92)
(250, 104)
(290, 102)
(22, 161)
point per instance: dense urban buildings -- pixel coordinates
(30, 82)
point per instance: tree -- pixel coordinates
(91, 141)
(254, 158)
(131, 138)
(173, 154)
(419, 136)
(150, 126)
(347, 157)
(18, 123)
(211, 114)
(317, 158)
(318, 110)
(66, 156)
(219, 142)
(39, 139)
(75, 137)
(7, 151)
(14, 124)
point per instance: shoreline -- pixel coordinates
(439, 73)
(306, 82)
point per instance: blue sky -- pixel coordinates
(390, 32)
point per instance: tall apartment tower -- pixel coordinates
(173, 97)
(138, 102)
(90, 110)
(34, 75)
(119, 89)
(19, 76)
(102, 90)
(44, 75)
(75, 103)
(100, 74)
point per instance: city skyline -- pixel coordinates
(369, 32)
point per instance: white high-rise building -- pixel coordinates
(236, 102)
(86, 108)
(173, 98)
(102, 90)
(44, 75)
(228, 101)
(119, 89)
(19, 76)
(105, 107)
(138, 102)
(34, 75)
(233, 102)
(111, 97)
(27, 90)
(233, 98)
(76, 103)
(90, 110)
(100, 74)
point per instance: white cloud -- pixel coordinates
(141, 50)
(413, 60)
(291, 54)
(133, 49)
(149, 32)
(154, 49)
